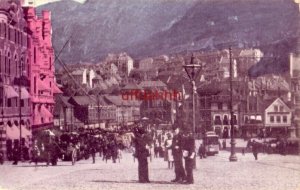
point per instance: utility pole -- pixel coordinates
(20, 111)
(98, 102)
(232, 157)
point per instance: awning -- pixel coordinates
(45, 112)
(56, 90)
(24, 92)
(25, 132)
(12, 132)
(10, 92)
(42, 85)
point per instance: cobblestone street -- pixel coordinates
(274, 172)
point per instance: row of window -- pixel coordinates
(279, 119)
(13, 102)
(225, 120)
(278, 108)
(13, 34)
(7, 61)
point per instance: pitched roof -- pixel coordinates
(131, 86)
(152, 84)
(82, 100)
(118, 101)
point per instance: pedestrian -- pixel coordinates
(255, 149)
(224, 144)
(93, 153)
(189, 155)
(177, 155)
(201, 151)
(142, 153)
(16, 154)
(35, 154)
(168, 145)
(1, 157)
(74, 154)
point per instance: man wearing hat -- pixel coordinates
(141, 153)
(188, 147)
(177, 155)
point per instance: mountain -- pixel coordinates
(99, 27)
(153, 27)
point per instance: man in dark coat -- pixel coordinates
(177, 154)
(16, 154)
(141, 153)
(255, 149)
(188, 148)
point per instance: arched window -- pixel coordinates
(8, 63)
(225, 120)
(22, 64)
(5, 63)
(16, 64)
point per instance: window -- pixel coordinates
(9, 102)
(16, 64)
(34, 85)
(0, 60)
(8, 69)
(246, 119)
(34, 55)
(272, 119)
(225, 120)
(278, 119)
(234, 120)
(218, 120)
(22, 103)
(281, 108)
(284, 119)
(220, 106)
(276, 108)
(1, 97)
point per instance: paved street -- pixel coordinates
(216, 172)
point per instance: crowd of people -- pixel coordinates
(177, 147)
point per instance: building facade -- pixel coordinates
(41, 61)
(14, 74)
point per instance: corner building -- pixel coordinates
(15, 111)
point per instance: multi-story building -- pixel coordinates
(41, 61)
(123, 62)
(127, 111)
(14, 77)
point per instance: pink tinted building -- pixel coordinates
(43, 86)
(14, 74)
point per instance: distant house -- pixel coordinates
(127, 111)
(277, 116)
(84, 76)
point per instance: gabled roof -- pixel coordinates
(152, 84)
(118, 101)
(131, 86)
(268, 103)
(82, 100)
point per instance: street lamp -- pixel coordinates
(232, 157)
(193, 69)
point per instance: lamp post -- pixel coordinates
(232, 157)
(20, 109)
(193, 69)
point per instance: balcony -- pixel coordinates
(15, 111)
